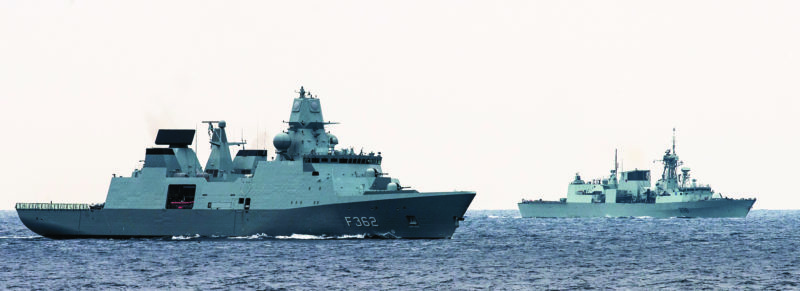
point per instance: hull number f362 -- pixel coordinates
(361, 221)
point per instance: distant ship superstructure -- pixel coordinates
(631, 195)
(310, 187)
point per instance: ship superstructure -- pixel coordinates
(309, 187)
(629, 194)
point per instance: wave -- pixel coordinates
(504, 216)
(185, 237)
(351, 236)
(261, 236)
(20, 236)
(255, 236)
(319, 237)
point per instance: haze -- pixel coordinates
(507, 98)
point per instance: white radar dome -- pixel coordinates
(391, 187)
(333, 139)
(282, 141)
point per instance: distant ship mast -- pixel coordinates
(673, 141)
(669, 177)
(615, 172)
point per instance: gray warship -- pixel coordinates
(310, 187)
(631, 195)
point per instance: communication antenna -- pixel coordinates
(616, 165)
(673, 141)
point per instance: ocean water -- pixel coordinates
(495, 250)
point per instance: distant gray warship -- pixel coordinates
(674, 195)
(309, 188)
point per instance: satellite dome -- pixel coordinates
(333, 139)
(222, 124)
(392, 186)
(282, 141)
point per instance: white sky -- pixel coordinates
(507, 98)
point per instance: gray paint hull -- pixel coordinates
(435, 216)
(707, 208)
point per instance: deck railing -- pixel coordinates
(52, 206)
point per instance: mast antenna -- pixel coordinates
(616, 164)
(673, 141)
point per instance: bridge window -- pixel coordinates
(213, 172)
(363, 160)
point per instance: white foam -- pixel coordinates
(309, 236)
(255, 236)
(184, 237)
(19, 237)
(351, 236)
(301, 236)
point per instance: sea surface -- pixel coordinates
(493, 250)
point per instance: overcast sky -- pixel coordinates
(506, 98)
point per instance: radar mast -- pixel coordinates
(669, 177)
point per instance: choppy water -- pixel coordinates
(491, 250)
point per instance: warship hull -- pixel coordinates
(707, 208)
(434, 216)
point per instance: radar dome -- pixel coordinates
(282, 141)
(392, 187)
(333, 139)
(222, 124)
